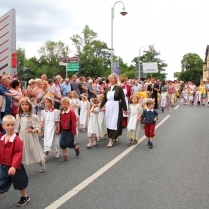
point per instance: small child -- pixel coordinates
(135, 113)
(184, 94)
(198, 96)
(50, 120)
(84, 112)
(74, 101)
(150, 115)
(163, 99)
(101, 116)
(191, 97)
(28, 127)
(68, 129)
(11, 167)
(94, 131)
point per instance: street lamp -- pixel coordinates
(139, 60)
(123, 13)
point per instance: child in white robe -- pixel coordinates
(101, 116)
(93, 128)
(135, 113)
(84, 112)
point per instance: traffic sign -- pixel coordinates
(73, 66)
(63, 63)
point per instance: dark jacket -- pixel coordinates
(149, 116)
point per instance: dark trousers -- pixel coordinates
(57, 105)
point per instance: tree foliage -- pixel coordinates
(94, 54)
(152, 55)
(191, 68)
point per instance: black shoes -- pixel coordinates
(151, 145)
(77, 151)
(23, 201)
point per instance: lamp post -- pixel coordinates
(112, 17)
(139, 61)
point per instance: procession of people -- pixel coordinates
(55, 110)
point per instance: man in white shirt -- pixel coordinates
(136, 87)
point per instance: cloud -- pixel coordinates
(36, 20)
(175, 27)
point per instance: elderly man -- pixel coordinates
(65, 86)
(4, 91)
(56, 89)
(44, 77)
(74, 85)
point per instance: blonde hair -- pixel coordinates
(31, 81)
(94, 101)
(84, 95)
(20, 112)
(117, 82)
(149, 102)
(75, 94)
(46, 83)
(132, 96)
(65, 100)
(8, 118)
(50, 97)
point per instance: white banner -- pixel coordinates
(150, 67)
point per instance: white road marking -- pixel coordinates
(89, 180)
(176, 107)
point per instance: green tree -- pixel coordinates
(25, 71)
(191, 68)
(152, 55)
(94, 54)
(50, 53)
(176, 74)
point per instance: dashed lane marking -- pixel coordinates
(90, 179)
(176, 107)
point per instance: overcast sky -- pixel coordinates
(175, 27)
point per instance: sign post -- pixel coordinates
(150, 67)
(71, 63)
(73, 67)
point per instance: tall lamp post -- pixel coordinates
(139, 60)
(112, 17)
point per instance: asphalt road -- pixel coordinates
(173, 175)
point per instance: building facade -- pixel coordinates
(206, 65)
(8, 56)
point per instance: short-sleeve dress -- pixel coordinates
(93, 127)
(134, 125)
(84, 116)
(51, 140)
(32, 151)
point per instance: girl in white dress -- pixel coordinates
(93, 128)
(50, 120)
(185, 95)
(163, 99)
(28, 127)
(75, 104)
(135, 113)
(84, 112)
(198, 96)
(101, 116)
(75, 101)
(191, 97)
